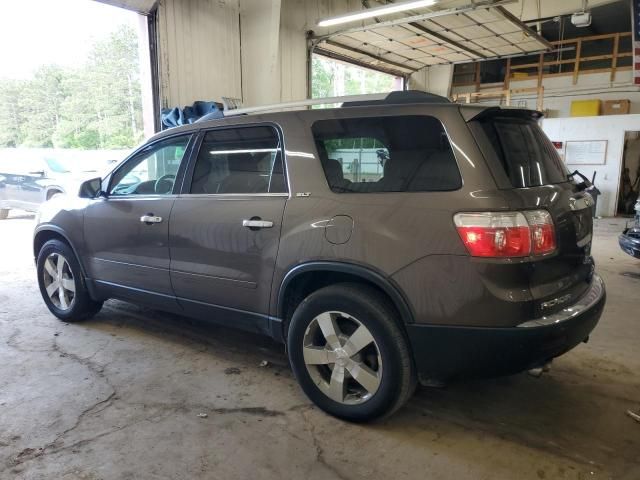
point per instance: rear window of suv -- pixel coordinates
(386, 154)
(527, 156)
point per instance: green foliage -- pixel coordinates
(331, 78)
(352, 143)
(95, 106)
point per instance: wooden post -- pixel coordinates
(576, 65)
(468, 97)
(540, 66)
(507, 75)
(540, 100)
(477, 79)
(614, 60)
(507, 99)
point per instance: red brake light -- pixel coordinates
(543, 235)
(506, 234)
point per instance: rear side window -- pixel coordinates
(239, 160)
(386, 154)
(524, 151)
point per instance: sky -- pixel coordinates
(41, 32)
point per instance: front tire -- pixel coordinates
(62, 285)
(349, 354)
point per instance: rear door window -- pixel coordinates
(239, 160)
(386, 154)
(523, 150)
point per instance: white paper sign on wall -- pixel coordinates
(591, 152)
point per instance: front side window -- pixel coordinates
(386, 154)
(151, 172)
(239, 160)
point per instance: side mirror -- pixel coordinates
(91, 188)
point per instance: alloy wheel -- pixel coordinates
(59, 282)
(342, 357)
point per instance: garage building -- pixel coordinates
(137, 393)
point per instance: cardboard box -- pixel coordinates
(585, 108)
(616, 107)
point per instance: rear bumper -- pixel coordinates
(630, 244)
(443, 353)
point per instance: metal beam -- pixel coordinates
(345, 58)
(514, 55)
(371, 55)
(480, 5)
(447, 40)
(515, 20)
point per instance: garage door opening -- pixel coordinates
(74, 92)
(335, 78)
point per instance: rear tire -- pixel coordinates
(62, 284)
(4, 213)
(349, 353)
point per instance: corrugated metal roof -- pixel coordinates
(480, 31)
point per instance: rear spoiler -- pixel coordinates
(478, 113)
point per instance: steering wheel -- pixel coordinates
(164, 184)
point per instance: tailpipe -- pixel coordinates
(538, 371)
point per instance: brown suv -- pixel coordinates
(386, 241)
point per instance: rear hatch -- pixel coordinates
(532, 176)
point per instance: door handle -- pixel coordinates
(256, 223)
(150, 218)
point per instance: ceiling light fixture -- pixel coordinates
(376, 12)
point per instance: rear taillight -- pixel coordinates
(543, 234)
(506, 234)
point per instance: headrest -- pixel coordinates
(333, 169)
(242, 162)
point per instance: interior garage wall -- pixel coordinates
(610, 128)
(260, 44)
(246, 49)
(298, 17)
(435, 79)
(199, 50)
(559, 92)
(255, 50)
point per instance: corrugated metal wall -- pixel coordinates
(214, 48)
(199, 50)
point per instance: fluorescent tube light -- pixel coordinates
(376, 12)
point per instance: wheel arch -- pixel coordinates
(341, 271)
(51, 191)
(51, 232)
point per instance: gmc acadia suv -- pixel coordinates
(385, 242)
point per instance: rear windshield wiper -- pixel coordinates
(586, 184)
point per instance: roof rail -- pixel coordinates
(409, 96)
(304, 103)
(400, 97)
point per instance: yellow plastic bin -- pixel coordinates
(585, 108)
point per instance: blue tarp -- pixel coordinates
(172, 117)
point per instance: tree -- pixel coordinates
(12, 116)
(97, 105)
(40, 106)
(332, 78)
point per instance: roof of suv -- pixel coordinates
(410, 98)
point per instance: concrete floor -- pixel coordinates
(118, 397)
